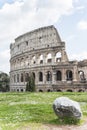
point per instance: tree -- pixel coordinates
(4, 82)
(30, 86)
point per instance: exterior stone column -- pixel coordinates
(75, 73)
(36, 77)
(44, 58)
(54, 77)
(24, 62)
(36, 60)
(24, 77)
(44, 77)
(64, 55)
(19, 64)
(19, 77)
(53, 57)
(63, 75)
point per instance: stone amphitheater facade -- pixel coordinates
(42, 53)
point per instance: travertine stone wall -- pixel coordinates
(37, 39)
(42, 52)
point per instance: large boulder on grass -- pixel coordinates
(65, 107)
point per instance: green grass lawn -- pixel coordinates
(18, 110)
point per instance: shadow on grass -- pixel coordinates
(65, 121)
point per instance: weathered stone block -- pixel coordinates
(65, 107)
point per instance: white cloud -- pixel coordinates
(20, 17)
(4, 60)
(23, 15)
(82, 25)
(80, 7)
(78, 56)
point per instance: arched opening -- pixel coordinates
(33, 60)
(82, 76)
(58, 76)
(22, 77)
(17, 63)
(22, 62)
(49, 76)
(17, 90)
(40, 90)
(40, 76)
(69, 75)
(49, 90)
(21, 90)
(14, 78)
(26, 77)
(69, 90)
(17, 77)
(58, 57)
(33, 74)
(59, 90)
(80, 90)
(49, 58)
(41, 59)
(26, 62)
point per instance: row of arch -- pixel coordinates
(40, 59)
(58, 76)
(57, 58)
(49, 90)
(60, 90)
(24, 77)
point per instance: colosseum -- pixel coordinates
(42, 53)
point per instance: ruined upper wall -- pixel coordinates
(38, 39)
(82, 63)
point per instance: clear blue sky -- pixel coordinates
(20, 16)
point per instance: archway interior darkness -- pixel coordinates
(80, 90)
(14, 78)
(17, 77)
(49, 90)
(58, 76)
(40, 90)
(22, 77)
(33, 74)
(49, 76)
(69, 75)
(40, 76)
(26, 77)
(69, 90)
(59, 90)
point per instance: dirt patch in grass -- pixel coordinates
(83, 126)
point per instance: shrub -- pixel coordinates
(30, 86)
